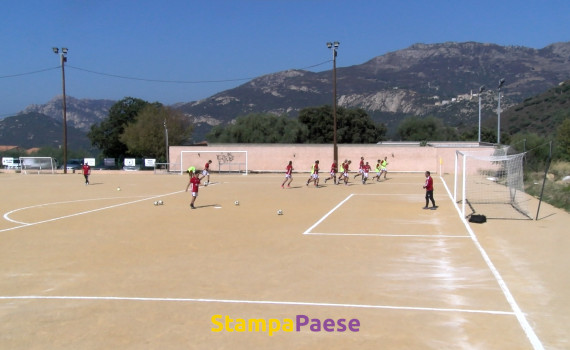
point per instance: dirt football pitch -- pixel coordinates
(344, 267)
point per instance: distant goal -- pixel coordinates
(38, 165)
(222, 161)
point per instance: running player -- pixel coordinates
(334, 170)
(288, 174)
(383, 166)
(365, 171)
(314, 174)
(378, 171)
(360, 167)
(346, 170)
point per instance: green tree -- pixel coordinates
(259, 128)
(106, 135)
(536, 147)
(416, 128)
(353, 125)
(145, 136)
(563, 140)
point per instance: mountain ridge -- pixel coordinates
(439, 79)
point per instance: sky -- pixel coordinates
(185, 50)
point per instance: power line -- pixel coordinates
(28, 73)
(146, 79)
(178, 81)
(157, 80)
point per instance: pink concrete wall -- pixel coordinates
(274, 157)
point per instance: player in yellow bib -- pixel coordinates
(383, 166)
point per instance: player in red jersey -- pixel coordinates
(365, 170)
(346, 167)
(195, 182)
(206, 172)
(288, 174)
(360, 168)
(334, 170)
(428, 186)
(86, 172)
(314, 174)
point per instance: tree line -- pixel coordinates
(137, 128)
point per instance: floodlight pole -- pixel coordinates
(481, 89)
(501, 82)
(63, 60)
(334, 47)
(166, 140)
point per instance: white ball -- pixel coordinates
(118, 188)
(160, 202)
(279, 212)
(155, 203)
(236, 202)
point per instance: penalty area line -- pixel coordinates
(259, 302)
(327, 214)
(385, 235)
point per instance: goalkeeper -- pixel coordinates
(428, 186)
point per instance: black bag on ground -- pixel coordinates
(478, 218)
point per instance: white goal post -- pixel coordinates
(38, 165)
(492, 185)
(222, 161)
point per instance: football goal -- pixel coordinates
(38, 165)
(222, 161)
(491, 185)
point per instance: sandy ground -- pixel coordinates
(91, 267)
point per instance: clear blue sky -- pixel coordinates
(201, 42)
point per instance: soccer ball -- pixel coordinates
(160, 202)
(118, 188)
(155, 203)
(279, 212)
(236, 202)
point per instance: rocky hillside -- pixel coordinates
(29, 130)
(80, 114)
(420, 80)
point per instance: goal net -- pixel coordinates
(491, 184)
(38, 165)
(222, 161)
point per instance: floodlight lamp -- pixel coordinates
(64, 50)
(55, 50)
(329, 44)
(482, 88)
(336, 43)
(501, 82)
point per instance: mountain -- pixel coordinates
(80, 113)
(437, 79)
(31, 130)
(539, 114)
(424, 79)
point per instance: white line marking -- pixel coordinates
(387, 235)
(84, 212)
(7, 215)
(327, 214)
(531, 335)
(261, 302)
